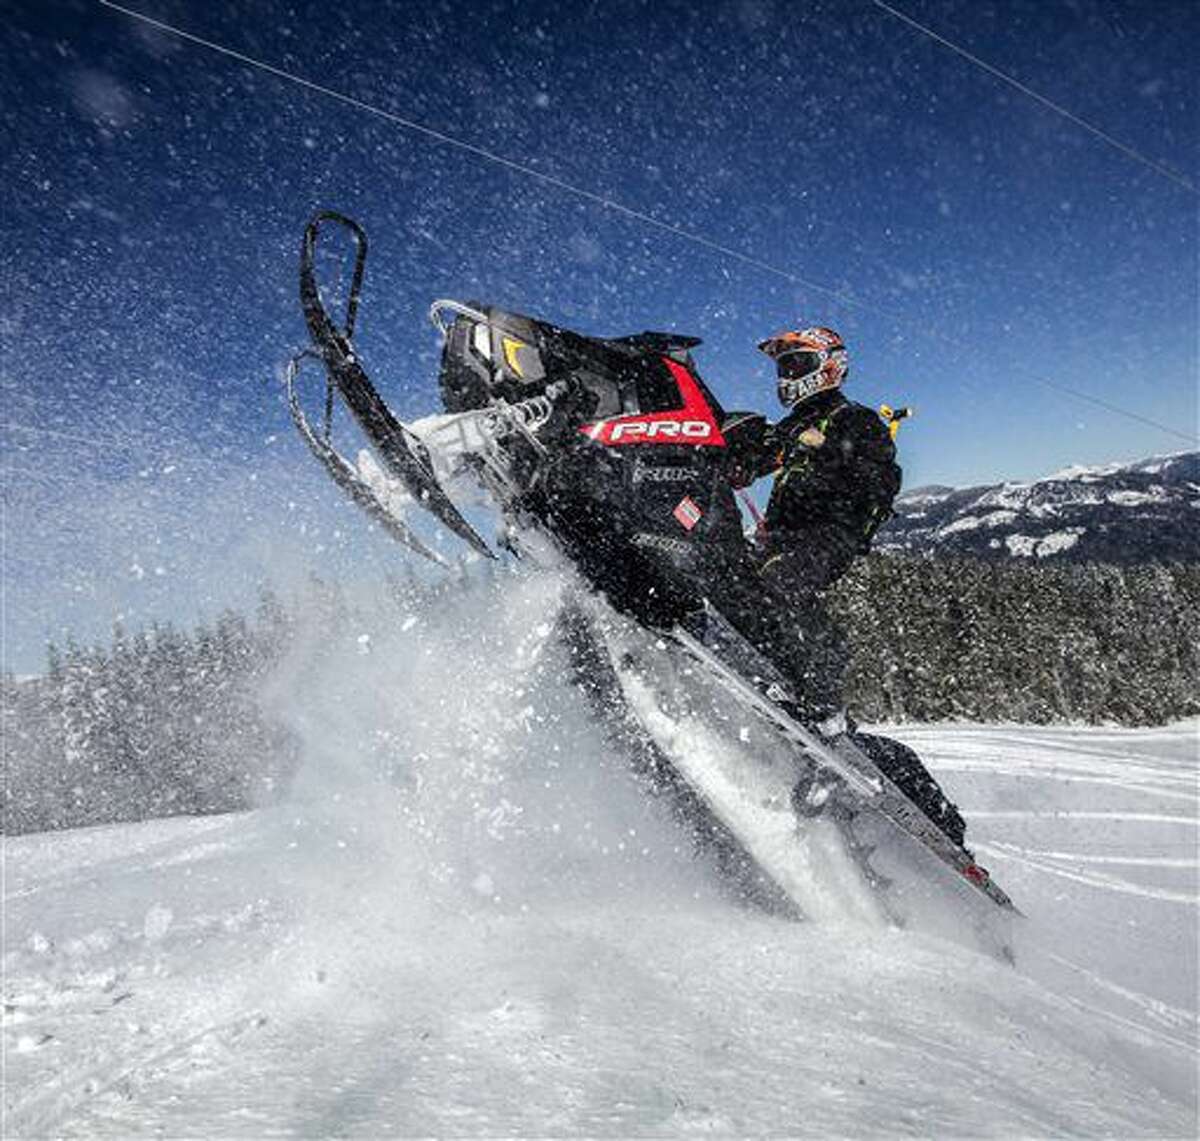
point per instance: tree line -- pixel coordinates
(937, 638)
(165, 722)
(161, 722)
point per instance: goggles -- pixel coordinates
(794, 364)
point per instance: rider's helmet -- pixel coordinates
(808, 361)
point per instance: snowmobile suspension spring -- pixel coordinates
(526, 416)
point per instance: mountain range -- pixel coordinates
(1146, 511)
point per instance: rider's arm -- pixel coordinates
(753, 451)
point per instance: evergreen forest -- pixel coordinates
(164, 722)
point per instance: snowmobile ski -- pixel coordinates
(344, 473)
(402, 453)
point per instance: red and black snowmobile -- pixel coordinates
(614, 455)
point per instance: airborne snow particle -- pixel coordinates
(584, 249)
(102, 99)
(157, 923)
(483, 884)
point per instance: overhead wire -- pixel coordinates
(1158, 167)
(616, 206)
(37, 429)
(1190, 438)
(606, 201)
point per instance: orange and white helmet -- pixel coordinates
(808, 361)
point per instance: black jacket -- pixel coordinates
(836, 477)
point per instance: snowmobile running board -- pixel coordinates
(404, 456)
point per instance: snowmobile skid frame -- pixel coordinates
(488, 424)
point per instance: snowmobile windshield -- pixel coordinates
(657, 389)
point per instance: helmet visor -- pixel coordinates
(797, 363)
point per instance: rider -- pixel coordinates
(835, 478)
(835, 464)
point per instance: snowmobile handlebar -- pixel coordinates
(456, 307)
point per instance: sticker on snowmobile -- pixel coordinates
(664, 543)
(694, 423)
(661, 430)
(522, 359)
(687, 513)
(662, 474)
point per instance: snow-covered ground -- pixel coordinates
(481, 926)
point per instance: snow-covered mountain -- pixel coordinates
(1148, 511)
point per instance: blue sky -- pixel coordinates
(968, 241)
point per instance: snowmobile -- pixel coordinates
(613, 454)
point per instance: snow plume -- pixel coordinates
(445, 747)
(451, 769)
